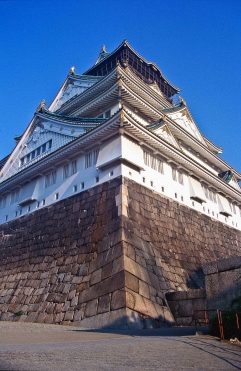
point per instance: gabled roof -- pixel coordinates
(126, 55)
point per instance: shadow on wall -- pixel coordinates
(196, 279)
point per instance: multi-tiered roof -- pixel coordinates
(120, 94)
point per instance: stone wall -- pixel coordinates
(223, 282)
(185, 304)
(106, 257)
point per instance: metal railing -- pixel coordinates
(222, 323)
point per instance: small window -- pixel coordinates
(130, 173)
(203, 208)
(66, 171)
(73, 169)
(151, 183)
(82, 185)
(75, 188)
(144, 180)
(38, 204)
(16, 214)
(56, 196)
(111, 173)
(97, 179)
(193, 203)
(20, 212)
(29, 208)
(2, 202)
(43, 202)
(44, 148)
(6, 217)
(181, 198)
(162, 189)
(175, 195)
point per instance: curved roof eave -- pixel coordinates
(125, 42)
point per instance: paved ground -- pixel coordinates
(35, 347)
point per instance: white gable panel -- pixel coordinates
(165, 133)
(69, 90)
(37, 145)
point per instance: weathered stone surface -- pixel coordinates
(73, 262)
(118, 300)
(91, 308)
(104, 304)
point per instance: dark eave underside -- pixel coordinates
(147, 71)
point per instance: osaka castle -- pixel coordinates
(112, 202)
(117, 119)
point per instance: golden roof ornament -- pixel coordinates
(72, 71)
(103, 49)
(181, 100)
(41, 106)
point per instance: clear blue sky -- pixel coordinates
(196, 44)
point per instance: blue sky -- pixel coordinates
(196, 44)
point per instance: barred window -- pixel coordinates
(174, 174)
(91, 158)
(2, 202)
(177, 175)
(153, 162)
(36, 152)
(69, 169)
(14, 197)
(66, 171)
(73, 167)
(232, 207)
(209, 194)
(50, 179)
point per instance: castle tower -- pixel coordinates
(112, 198)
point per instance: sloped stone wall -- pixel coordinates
(223, 282)
(106, 257)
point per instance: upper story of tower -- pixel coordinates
(119, 113)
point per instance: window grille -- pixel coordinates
(91, 158)
(177, 176)
(210, 195)
(232, 207)
(50, 179)
(2, 202)
(153, 162)
(14, 197)
(36, 152)
(73, 167)
(66, 171)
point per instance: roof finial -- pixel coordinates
(41, 106)
(72, 71)
(103, 49)
(181, 100)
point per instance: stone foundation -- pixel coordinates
(184, 304)
(106, 258)
(223, 282)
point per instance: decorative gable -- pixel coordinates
(162, 129)
(182, 116)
